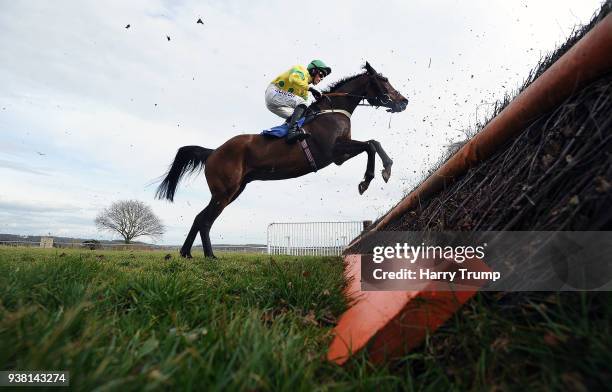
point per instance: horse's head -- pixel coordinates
(379, 92)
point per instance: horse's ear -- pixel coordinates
(369, 68)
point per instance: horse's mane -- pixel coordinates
(340, 83)
(343, 81)
(336, 85)
(314, 106)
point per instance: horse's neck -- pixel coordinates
(354, 89)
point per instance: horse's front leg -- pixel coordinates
(346, 149)
(387, 162)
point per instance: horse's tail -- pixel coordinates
(188, 160)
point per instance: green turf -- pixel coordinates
(121, 320)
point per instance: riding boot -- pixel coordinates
(295, 133)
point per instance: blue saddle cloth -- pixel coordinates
(281, 130)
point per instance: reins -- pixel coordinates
(386, 98)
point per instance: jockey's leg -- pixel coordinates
(295, 133)
(280, 102)
(289, 106)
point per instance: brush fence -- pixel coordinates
(311, 238)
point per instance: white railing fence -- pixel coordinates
(312, 238)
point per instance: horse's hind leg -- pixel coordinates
(222, 196)
(209, 215)
(195, 227)
(202, 223)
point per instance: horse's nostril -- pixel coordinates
(399, 106)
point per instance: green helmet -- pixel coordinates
(320, 65)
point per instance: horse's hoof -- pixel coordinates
(186, 255)
(386, 173)
(211, 257)
(362, 187)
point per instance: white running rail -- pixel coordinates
(311, 238)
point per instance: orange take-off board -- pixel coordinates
(389, 323)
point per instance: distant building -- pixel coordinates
(46, 242)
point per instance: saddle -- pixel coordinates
(281, 131)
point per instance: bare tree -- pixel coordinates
(131, 219)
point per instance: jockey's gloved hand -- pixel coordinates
(315, 93)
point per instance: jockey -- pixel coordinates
(287, 94)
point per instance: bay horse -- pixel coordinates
(245, 158)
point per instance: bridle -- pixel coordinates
(382, 99)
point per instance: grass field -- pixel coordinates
(134, 320)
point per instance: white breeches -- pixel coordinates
(281, 102)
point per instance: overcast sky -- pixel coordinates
(92, 112)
